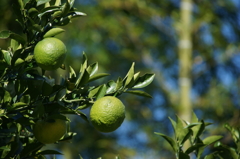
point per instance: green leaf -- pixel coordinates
(50, 10)
(211, 139)
(29, 148)
(97, 76)
(233, 131)
(181, 132)
(101, 92)
(111, 87)
(174, 125)
(92, 69)
(210, 156)
(129, 77)
(77, 14)
(72, 73)
(83, 79)
(40, 2)
(194, 147)
(8, 34)
(14, 44)
(169, 140)
(7, 56)
(65, 8)
(46, 89)
(139, 93)
(38, 110)
(225, 151)
(144, 81)
(53, 32)
(18, 105)
(119, 84)
(84, 62)
(183, 155)
(198, 130)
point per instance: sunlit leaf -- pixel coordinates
(211, 139)
(111, 87)
(7, 56)
(129, 77)
(53, 32)
(40, 2)
(144, 81)
(92, 69)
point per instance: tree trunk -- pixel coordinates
(185, 62)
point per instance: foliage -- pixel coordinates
(192, 133)
(27, 94)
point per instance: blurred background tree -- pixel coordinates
(117, 33)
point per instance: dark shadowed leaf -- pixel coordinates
(183, 155)
(139, 93)
(8, 34)
(49, 152)
(194, 147)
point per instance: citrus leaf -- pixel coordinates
(71, 72)
(233, 131)
(92, 69)
(8, 34)
(211, 139)
(183, 155)
(119, 84)
(174, 124)
(194, 147)
(181, 132)
(83, 79)
(53, 32)
(97, 76)
(111, 87)
(7, 56)
(101, 92)
(65, 8)
(129, 77)
(40, 2)
(46, 89)
(49, 10)
(144, 81)
(77, 14)
(140, 93)
(169, 140)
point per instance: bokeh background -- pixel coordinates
(117, 33)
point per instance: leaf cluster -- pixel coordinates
(27, 95)
(191, 134)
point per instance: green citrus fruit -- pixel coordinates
(49, 131)
(107, 114)
(50, 53)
